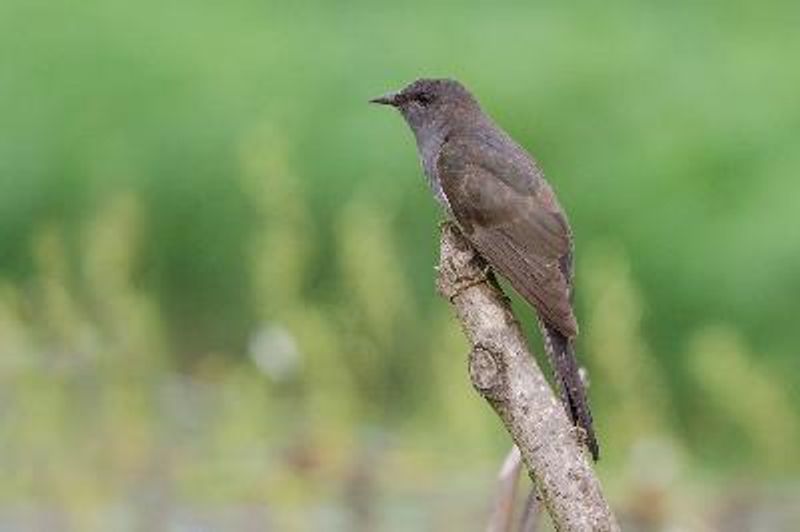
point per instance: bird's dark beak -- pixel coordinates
(390, 98)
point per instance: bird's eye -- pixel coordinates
(424, 98)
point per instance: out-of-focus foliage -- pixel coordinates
(216, 270)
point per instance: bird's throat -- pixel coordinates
(430, 139)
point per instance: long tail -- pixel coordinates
(562, 359)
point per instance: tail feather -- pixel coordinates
(573, 393)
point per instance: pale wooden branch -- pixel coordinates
(506, 493)
(529, 521)
(505, 373)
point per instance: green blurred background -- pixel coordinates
(216, 272)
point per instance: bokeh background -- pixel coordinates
(217, 308)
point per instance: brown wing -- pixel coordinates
(522, 233)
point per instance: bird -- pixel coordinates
(497, 194)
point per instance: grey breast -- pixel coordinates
(429, 143)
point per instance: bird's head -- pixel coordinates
(428, 102)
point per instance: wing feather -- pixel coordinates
(521, 231)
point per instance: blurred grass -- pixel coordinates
(216, 282)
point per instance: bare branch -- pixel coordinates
(506, 375)
(529, 522)
(507, 481)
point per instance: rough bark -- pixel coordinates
(505, 373)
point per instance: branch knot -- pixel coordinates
(486, 372)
